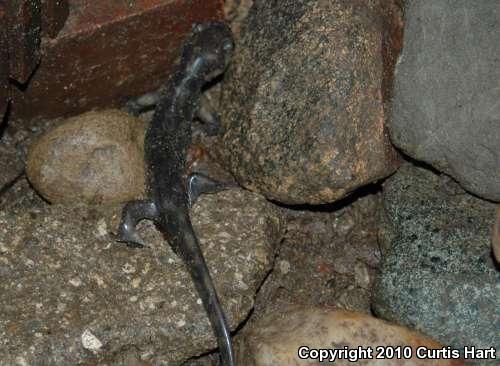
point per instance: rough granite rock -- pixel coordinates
(236, 11)
(96, 157)
(437, 273)
(72, 295)
(303, 114)
(276, 339)
(446, 106)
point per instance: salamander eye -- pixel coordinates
(227, 46)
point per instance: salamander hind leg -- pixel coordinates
(198, 184)
(133, 212)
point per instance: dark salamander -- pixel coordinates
(171, 191)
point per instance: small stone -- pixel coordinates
(90, 341)
(75, 282)
(362, 275)
(96, 157)
(136, 282)
(21, 361)
(128, 268)
(102, 228)
(284, 267)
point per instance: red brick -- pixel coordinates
(108, 52)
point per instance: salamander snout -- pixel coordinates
(212, 42)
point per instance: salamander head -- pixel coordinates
(209, 49)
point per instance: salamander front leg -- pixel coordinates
(207, 115)
(142, 103)
(133, 212)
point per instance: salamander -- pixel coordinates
(171, 191)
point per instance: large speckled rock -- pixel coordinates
(446, 108)
(437, 273)
(276, 339)
(96, 157)
(236, 11)
(303, 118)
(72, 295)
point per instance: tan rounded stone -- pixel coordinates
(277, 337)
(95, 157)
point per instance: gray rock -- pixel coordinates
(96, 157)
(446, 107)
(438, 274)
(303, 118)
(72, 295)
(495, 236)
